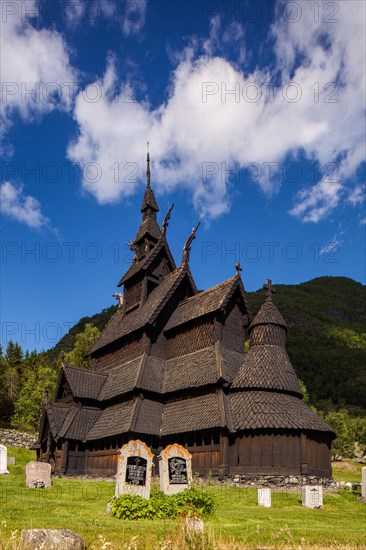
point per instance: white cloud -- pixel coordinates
(36, 73)
(227, 127)
(22, 208)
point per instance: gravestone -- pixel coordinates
(3, 460)
(134, 467)
(175, 469)
(264, 497)
(36, 473)
(312, 496)
(363, 488)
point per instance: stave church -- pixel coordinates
(170, 367)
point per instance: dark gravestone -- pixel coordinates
(177, 470)
(136, 470)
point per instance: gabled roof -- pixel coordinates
(113, 421)
(264, 409)
(145, 263)
(267, 367)
(121, 379)
(84, 383)
(56, 414)
(120, 325)
(149, 226)
(208, 301)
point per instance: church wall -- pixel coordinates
(233, 333)
(129, 350)
(265, 453)
(190, 338)
(318, 455)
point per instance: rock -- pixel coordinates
(194, 525)
(51, 539)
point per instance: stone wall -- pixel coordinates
(12, 438)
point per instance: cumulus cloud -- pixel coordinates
(217, 118)
(36, 73)
(22, 208)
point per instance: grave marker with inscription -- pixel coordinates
(264, 497)
(3, 460)
(134, 469)
(312, 496)
(175, 469)
(38, 474)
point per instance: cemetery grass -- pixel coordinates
(238, 523)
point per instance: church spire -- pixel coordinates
(148, 174)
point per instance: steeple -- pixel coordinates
(149, 200)
(266, 365)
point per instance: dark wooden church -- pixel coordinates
(170, 368)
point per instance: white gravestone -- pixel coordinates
(38, 474)
(175, 469)
(134, 468)
(264, 497)
(312, 496)
(363, 486)
(3, 460)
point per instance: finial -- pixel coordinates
(118, 296)
(166, 220)
(270, 290)
(148, 175)
(238, 268)
(187, 246)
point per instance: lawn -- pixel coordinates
(237, 523)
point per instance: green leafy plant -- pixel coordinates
(190, 503)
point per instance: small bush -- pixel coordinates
(189, 503)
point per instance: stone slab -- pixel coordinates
(264, 498)
(51, 539)
(3, 460)
(312, 496)
(37, 471)
(134, 469)
(175, 469)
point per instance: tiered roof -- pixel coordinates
(265, 391)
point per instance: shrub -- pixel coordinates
(190, 503)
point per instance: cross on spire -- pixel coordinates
(148, 175)
(238, 268)
(270, 290)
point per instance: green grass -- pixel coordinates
(237, 522)
(347, 471)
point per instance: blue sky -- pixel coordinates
(255, 114)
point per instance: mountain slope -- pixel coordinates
(326, 341)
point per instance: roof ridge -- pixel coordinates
(187, 354)
(204, 292)
(66, 366)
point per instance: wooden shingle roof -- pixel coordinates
(267, 367)
(81, 423)
(268, 314)
(120, 325)
(113, 420)
(193, 414)
(252, 410)
(143, 264)
(203, 303)
(84, 383)
(121, 379)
